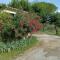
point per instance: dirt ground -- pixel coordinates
(49, 49)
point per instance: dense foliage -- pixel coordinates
(30, 17)
(18, 26)
(20, 45)
(20, 4)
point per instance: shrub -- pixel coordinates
(35, 25)
(6, 20)
(6, 24)
(18, 26)
(8, 35)
(24, 28)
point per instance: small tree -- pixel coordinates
(55, 20)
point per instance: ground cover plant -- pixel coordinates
(10, 50)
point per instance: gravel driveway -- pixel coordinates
(48, 50)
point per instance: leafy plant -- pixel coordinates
(17, 44)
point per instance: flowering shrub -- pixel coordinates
(18, 26)
(32, 25)
(25, 27)
(35, 25)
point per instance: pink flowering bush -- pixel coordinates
(35, 25)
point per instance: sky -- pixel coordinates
(56, 2)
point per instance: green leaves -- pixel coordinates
(43, 8)
(18, 44)
(20, 4)
(6, 20)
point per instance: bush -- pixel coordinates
(6, 20)
(8, 35)
(35, 25)
(18, 26)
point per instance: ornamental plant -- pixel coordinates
(35, 25)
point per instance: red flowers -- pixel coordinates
(35, 25)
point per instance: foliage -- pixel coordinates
(8, 35)
(6, 26)
(15, 4)
(20, 4)
(13, 28)
(55, 20)
(43, 8)
(6, 20)
(35, 25)
(18, 47)
(18, 26)
(21, 44)
(23, 21)
(2, 6)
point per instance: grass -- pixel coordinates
(26, 44)
(52, 32)
(49, 29)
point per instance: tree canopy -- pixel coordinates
(20, 4)
(43, 8)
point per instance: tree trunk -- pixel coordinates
(43, 27)
(56, 30)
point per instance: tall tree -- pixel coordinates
(44, 9)
(15, 4)
(55, 20)
(23, 4)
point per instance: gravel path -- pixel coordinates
(48, 50)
